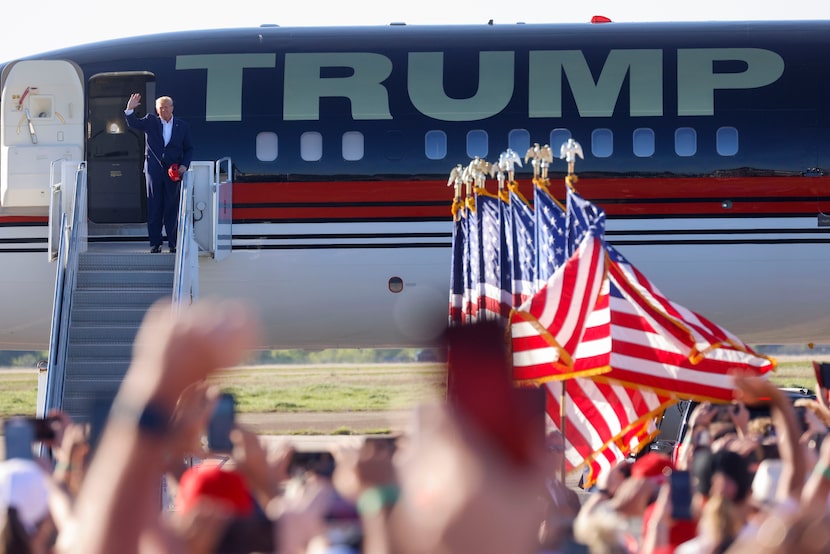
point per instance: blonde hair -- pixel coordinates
(163, 100)
(721, 521)
(761, 427)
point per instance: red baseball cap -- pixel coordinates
(214, 483)
(652, 465)
(173, 172)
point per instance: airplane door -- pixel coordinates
(41, 121)
(115, 153)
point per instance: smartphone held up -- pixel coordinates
(681, 495)
(221, 423)
(21, 433)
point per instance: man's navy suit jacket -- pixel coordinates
(159, 157)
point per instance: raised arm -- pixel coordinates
(750, 390)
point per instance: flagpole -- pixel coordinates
(562, 426)
(569, 152)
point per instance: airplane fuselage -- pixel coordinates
(707, 145)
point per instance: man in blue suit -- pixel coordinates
(168, 154)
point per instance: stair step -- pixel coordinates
(79, 399)
(128, 280)
(125, 261)
(143, 297)
(91, 334)
(101, 315)
(113, 373)
(94, 351)
(95, 369)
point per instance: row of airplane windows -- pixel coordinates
(435, 143)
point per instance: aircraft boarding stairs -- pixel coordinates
(107, 279)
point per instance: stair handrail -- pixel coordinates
(222, 209)
(51, 364)
(186, 274)
(73, 242)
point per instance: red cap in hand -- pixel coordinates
(173, 172)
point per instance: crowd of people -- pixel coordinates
(443, 486)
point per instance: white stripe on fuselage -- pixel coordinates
(330, 294)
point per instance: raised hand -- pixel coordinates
(134, 101)
(174, 350)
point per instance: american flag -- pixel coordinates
(523, 239)
(664, 346)
(546, 329)
(550, 234)
(641, 360)
(506, 253)
(489, 286)
(472, 262)
(593, 353)
(604, 422)
(456, 308)
(580, 217)
(642, 350)
(655, 342)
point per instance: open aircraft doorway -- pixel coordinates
(115, 153)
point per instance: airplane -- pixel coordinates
(707, 144)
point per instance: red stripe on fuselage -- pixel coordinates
(643, 197)
(22, 220)
(431, 199)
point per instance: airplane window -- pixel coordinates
(557, 138)
(311, 146)
(477, 143)
(353, 146)
(435, 145)
(518, 140)
(266, 146)
(643, 142)
(602, 143)
(685, 141)
(727, 141)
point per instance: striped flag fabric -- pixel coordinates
(593, 353)
(666, 347)
(488, 211)
(546, 330)
(457, 287)
(642, 338)
(604, 422)
(506, 256)
(523, 240)
(636, 353)
(550, 226)
(580, 217)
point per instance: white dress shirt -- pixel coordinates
(167, 130)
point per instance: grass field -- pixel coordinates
(286, 388)
(335, 388)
